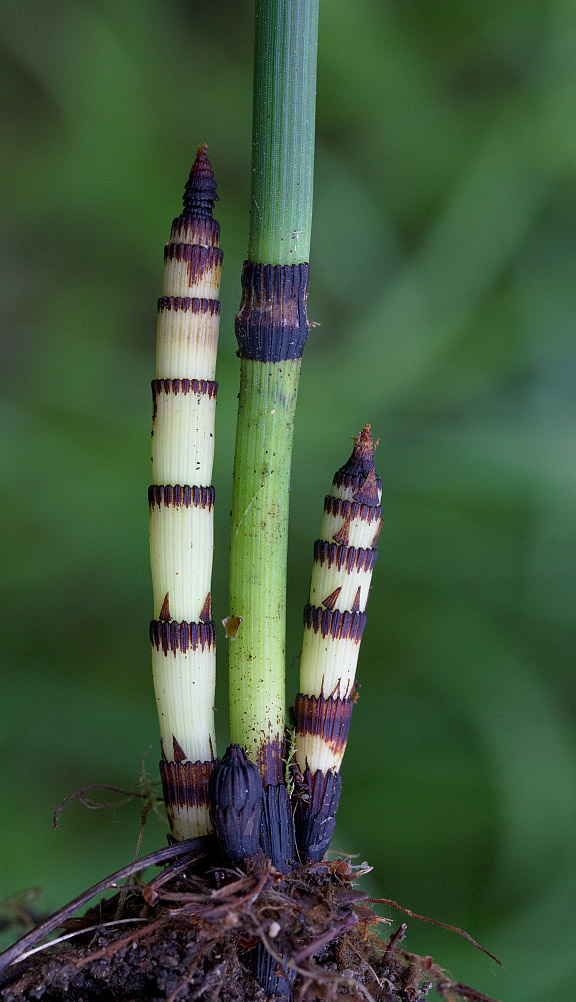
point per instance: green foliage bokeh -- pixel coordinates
(443, 262)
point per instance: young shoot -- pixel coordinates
(181, 500)
(334, 621)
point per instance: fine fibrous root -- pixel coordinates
(200, 926)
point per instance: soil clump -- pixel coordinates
(202, 930)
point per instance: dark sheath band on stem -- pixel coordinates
(185, 784)
(316, 800)
(272, 325)
(277, 829)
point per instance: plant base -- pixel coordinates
(201, 931)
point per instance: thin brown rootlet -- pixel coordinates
(192, 932)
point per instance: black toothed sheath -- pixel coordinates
(181, 501)
(334, 622)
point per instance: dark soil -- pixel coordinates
(199, 930)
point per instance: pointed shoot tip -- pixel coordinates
(363, 445)
(200, 192)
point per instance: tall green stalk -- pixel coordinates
(271, 328)
(258, 566)
(285, 47)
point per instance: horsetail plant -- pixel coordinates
(246, 796)
(182, 633)
(334, 622)
(266, 796)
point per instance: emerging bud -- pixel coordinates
(235, 794)
(317, 800)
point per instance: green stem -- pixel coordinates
(283, 130)
(259, 538)
(271, 328)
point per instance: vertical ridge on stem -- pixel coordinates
(284, 113)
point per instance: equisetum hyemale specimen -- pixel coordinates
(246, 797)
(334, 621)
(181, 500)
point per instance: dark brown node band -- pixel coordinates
(326, 718)
(180, 496)
(339, 625)
(185, 784)
(185, 304)
(195, 231)
(272, 325)
(348, 558)
(173, 636)
(204, 387)
(366, 489)
(198, 259)
(352, 509)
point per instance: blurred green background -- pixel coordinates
(443, 262)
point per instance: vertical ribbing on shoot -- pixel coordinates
(334, 621)
(181, 500)
(284, 110)
(271, 329)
